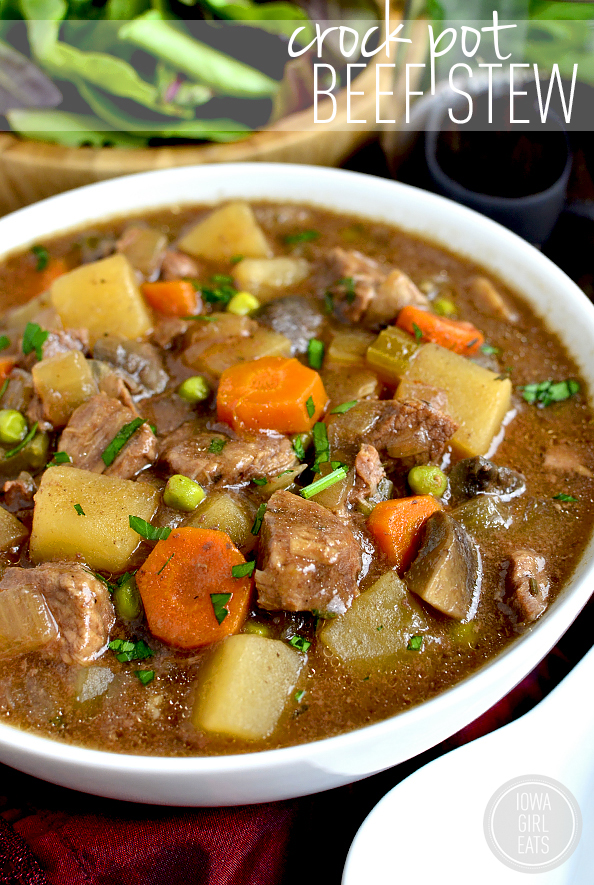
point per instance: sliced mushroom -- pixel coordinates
(447, 570)
(478, 476)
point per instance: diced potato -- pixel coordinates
(64, 382)
(226, 232)
(378, 626)
(220, 327)
(26, 623)
(478, 399)
(247, 686)
(227, 512)
(38, 310)
(264, 342)
(102, 537)
(103, 297)
(266, 276)
(391, 352)
(348, 348)
(12, 531)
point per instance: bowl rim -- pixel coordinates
(501, 669)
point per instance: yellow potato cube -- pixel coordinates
(478, 399)
(12, 531)
(264, 342)
(349, 348)
(64, 382)
(247, 686)
(102, 536)
(103, 297)
(266, 276)
(226, 232)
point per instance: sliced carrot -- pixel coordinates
(456, 335)
(174, 298)
(53, 269)
(7, 364)
(272, 393)
(396, 527)
(188, 590)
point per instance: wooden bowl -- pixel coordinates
(33, 170)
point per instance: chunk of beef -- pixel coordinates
(36, 413)
(91, 429)
(167, 329)
(140, 364)
(294, 317)
(309, 559)
(478, 476)
(209, 457)
(65, 341)
(144, 247)
(526, 585)
(405, 433)
(18, 493)
(369, 471)
(79, 603)
(564, 459)
(19, 392)
(426, 393)
(362, 290)
(177, 265)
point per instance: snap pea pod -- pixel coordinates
(70, 130)
(197, 60)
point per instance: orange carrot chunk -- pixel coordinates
(173, 298)
(396, 526)
(54, 269)
(7, 364)
(195, 588)
(272, 393)
(456, 335)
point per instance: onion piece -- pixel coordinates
(26, 623)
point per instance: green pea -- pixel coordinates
(36, 451)
(183, 493)
(194, 389)
(127, 601)
(445, 307)
(13, 426)
(243, 303)
(427, 480)
(257, 628)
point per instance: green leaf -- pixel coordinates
(344, 407)
(315, 353)
(544, 393)
(4, 342)
(219, 604)
(33, 339)
(127, 650)
(145, 676)
(303, 236)
(120, 440)
(217, 445)
(275, 18)
(244, 569)
(300, 643)
(259, 519)
(324, 483)
(148, 531)
(79, 510)
(567, 499)
(70, 130)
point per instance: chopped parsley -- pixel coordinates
(217, 445)
(544, 393)
(417, 331)
(243, 569)
(4, 388)
(324, 483)
(328, 303)
(260, 480)
(299, 695)
(568, 499)
(321, 444)
(221, 292)
(12, 452)
(302, 236)
(258, 520)
(34, 338)
(349, 285)
(79, 510)
(344, 407)
(165, 564)
(300, 643)
(222, 278)
(145, 676)
(60, 458)
(199, 316)
(311, 407)
(298, 448)
(4, 342)
(315, 353)
(489, 350)
(127, 650)
(42, 256)
(148, 531)
(415, 643)
(219, 605)
(236, 259)
(120, 440)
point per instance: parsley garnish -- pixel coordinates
(60, 458)
(236, 259)
(4, 342)
(565, 498)
(344, 407)
(165, 564)
(22, 443)
(321, 444)
(315, 353)
(299, 695)
(544, 393)
(79, 510)
(489, 350)
(42, 256)
(415, 643)
(219, 605)
(258, 520)
(145, 676)
(221, 293)
(303, 236)
(349, 285)
(244, 569)
(298, 448)
(4, 388)
(310, 406)
(299, 643)
(260, 481)
(34, 338)
(418, 332)
(328, 303)
(126, 650)
(217, 445)
(120, 440)
(148, 531)
(324, 483)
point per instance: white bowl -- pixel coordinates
(296, 771)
